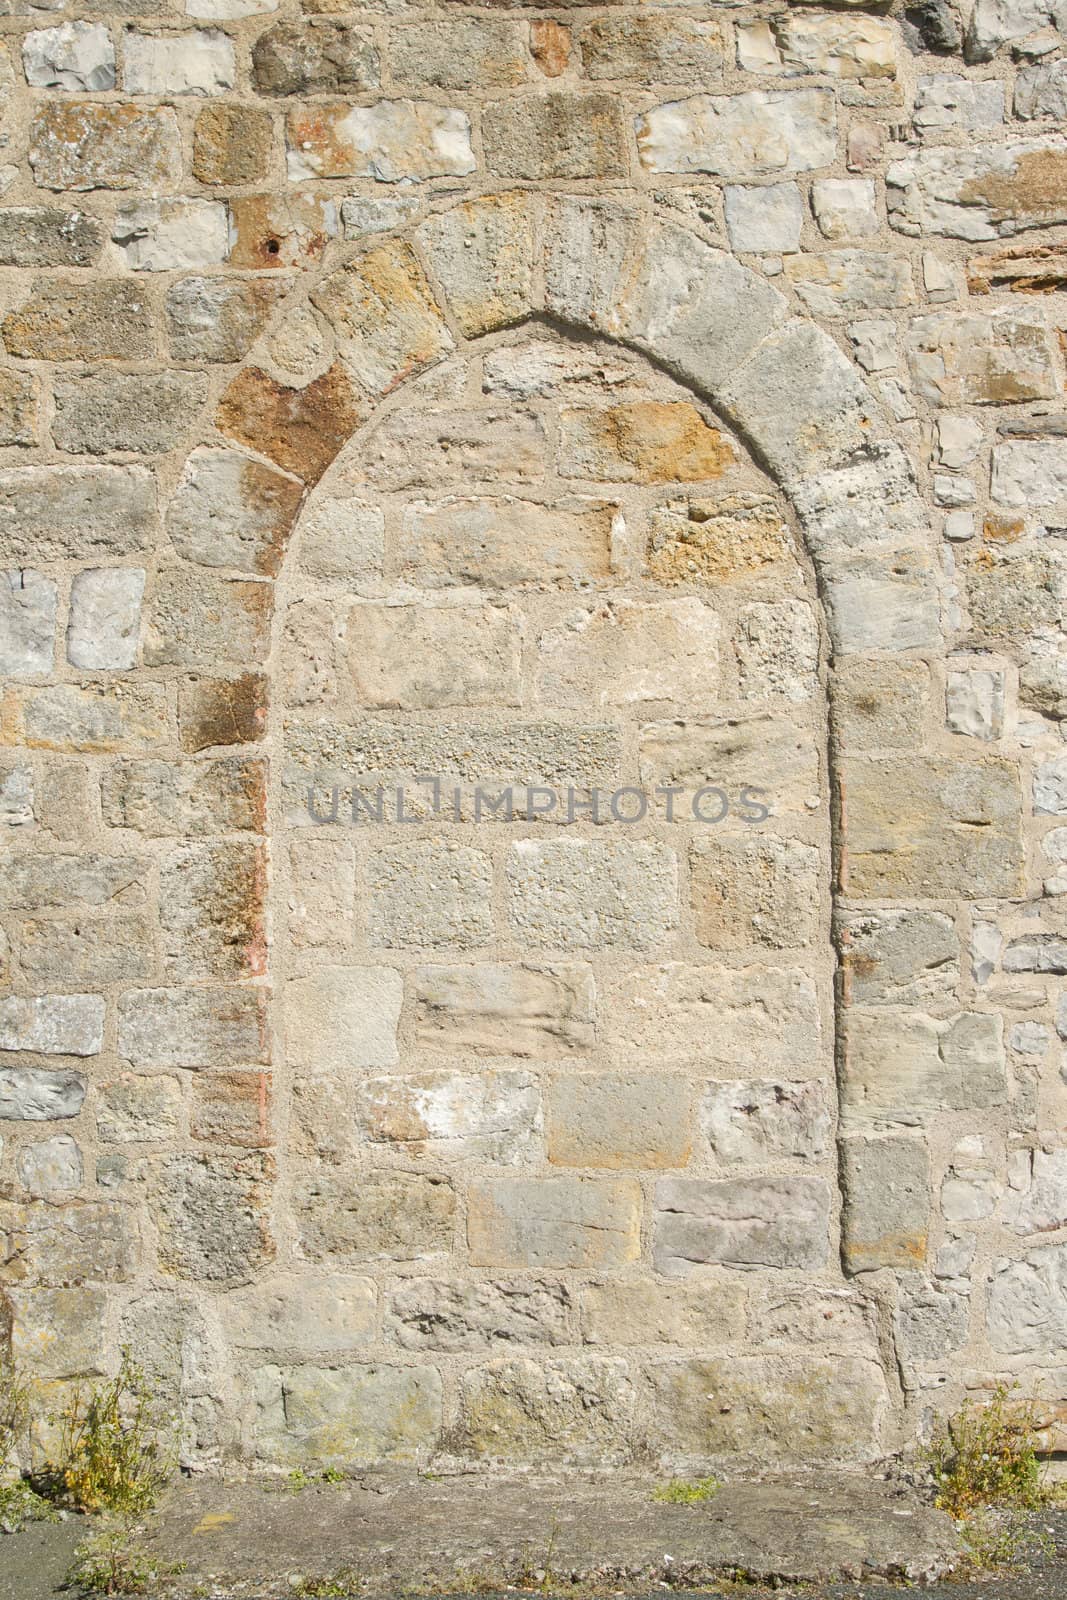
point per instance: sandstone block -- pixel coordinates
(652, 1312)
(653, 49)
(431, 1314)
(27, 624)
(343, 539)
(903, 1068)
(31, 1094)
(343, 1018)
(95, 719)
(59, 1333)
(429, 895)
(392, 141)
(386, 319)
(47, 882)
(145, 412)
(48, 236)
(82, 320)
(898, 957)
(766, 1222)
(621, 652)
(482, 253)
(322, 892)
(231, 1108)
(756, 890)
(500, 541)
(75, 513)
(87, 954)
(346, 1416)
(221, 711)
(19, 408)
(618, 1121)
(529, 1411)
(422, 657)
(232, 144)
(757, 1123)
(217, 319)
(230, 510)
(836, 283)
(974, 360)
(212, 910)
(764, 217)
(53, 1167)
(578, 894)
(555, 135)
(554, 1222)
(538, 1011)
(65, 1246)
(136, 1110)
(452, 1116)
(884, 1220)
(212, 1213)
(731, 753)
(200, 62)
(429, 449)
(319, 55)
(306, 1313)
(94, 144)
(196, 621)
(301, 430)
(643, 442)
(53, 1024)
(761, 133)
(459, 53)
(777, 649)
(881, 705)
(193, 1028)
(374, 1216)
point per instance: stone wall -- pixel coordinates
(591, 407)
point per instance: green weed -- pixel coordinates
(116, 1445)
(683, 1492)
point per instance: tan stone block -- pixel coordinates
(643, 441)
(432, 894)
(758, 890)
(886, 1211)
(305, 1312)
(550, 45)
(19, 401)
(841, 47)
(322, 892)
(96, 719)
(212, 1211)
(231, 144)
(904, 1069)
(300, 429)
(222, 711)
(502, 541)
(539, 1011)
(707, 541)
(343, 1018)
(387, 322)
(528, 1411)
(194, 1028)
(458, 53)
(196, 620)
(453, 1116)
(556, 136)
(391, 141)
(288, 230)
(554, 1222)
(429, 449)
(345, 1417)
(482, 253)
(96, 145)
(231, 1108)
(774, 756)
(59, 1333)
(83, 320)
(373, 1216)
(643, 1311)
(653, 49)
(64, 1246)
(230, 510)
(622, 652)
(422, 657)
(622, 1121)
(982, 360)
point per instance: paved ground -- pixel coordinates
(386, 1535)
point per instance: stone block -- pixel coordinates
(317, 55)
(172, 235)
(900, 958)
(505, 1010)
(554, 1222)
(374, 1216)
(230, 510)
(764, 218)
(844, 208)
(759, 1123)
(459, 53)
(65, 1246)
(75, 513)
(144, 412)
(652, 1312)
(754, 890)
(231, 1108)
(1040, 1206)
(844, 47)
(346, 1417)
(482, 254)
(978, 360)
(203, 61)
(221, 711)
(385, 316)
(653, 49)
(980, 191)
(72, 882)
(195, 620)
(48, 236)
(343, 538)
(430, 449)
(777, 649)
(107, 319)
(53, 1024)
(340, 1018)
(392, 141)
(500, 541)
(1027, 1302)
(19, 408)
(305, 1313)
(322, 892)
(32, 1094)
(301, 430)
(518, 1410)
(432, 1314)
(762, 1222)
(96, 144)
(947, 100)
(732, 753)
(836, 283)
(217, 319)
(550, 46)
(59, 1333)
(814, 1408)
(881, 705)
(884, 1220)
(96, 719)
(1041, 92)
(581, 894)
(902, 1069)
(453, 1116)
(839, 1319)
(1029, 472)
(212, 911)
(27, 624)
(212, 1214)
(424, 657)
(105, 618)
(555, 135)
(138, 1110)
(193, 1028)
(76, 56)
(429, 895)
(232, 144)
(621, 1121)
(699, 540)
(88, 953)
(53, 1167)
(642, 442)
(763, 133)
(621, 652)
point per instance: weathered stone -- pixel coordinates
(196, 620)
(796, 1408)
(961, 360)
(212, 1215)
(135, 1110)
(87, 954)
(768, 1222)
(422, 657)
(212, 911)
(1027, 1302)
(734, 1018)
(59, 1247)
(757, 890)
(346, 1416)
(502, 541)
(898, 957)
(341, 1018)
(221, 711)
(193, 1028)
(625, 1122)
(232, 144)
(1012, 594)
(231, 1108)
(902, 1069)
(777, 648)
(386, 318)
(885, 1216)
(430, 894)
(27, 624)
(343, 538)
(81, 320)
(393, 141)
(54, 1024)
(52, 513)
(730, 754)
(974, 703)
(230, 510)
(555, 135)
(201, 62)
(942, 827)
(700, 540)
(554, 1222)
(1041, 1205)
(164, 235)
(93, 719)
(452, 1116)
(576, 1410)
(840, 282)
(948, 101)
(374, 1216)
(96, 144)
(17, 797)
(428, 449)
(550, 45)
(48, 236)
(76, 55)
(305, 1313)
(995, 22)
(31, 1094)
(756, 1123)
(459, 53)
(299, 429)
(288, 230)
(841, 1319)
(844, 207)
(625, 652)
(217, 319)
(539, 1011)
(655, 1313)
(53, 1167)
(482, 253)
(651, 48)
(988, 191)
(59, 1333)
(158, 798)
(761, 133)
(105, 612)
(316, 56)
(145, 412)
(1029, 472)
(45, 882)
(646, 442)
(764, 217)
(579, 894)
(428, 1314)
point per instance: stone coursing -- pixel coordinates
(682, 392)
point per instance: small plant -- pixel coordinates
(297, 1480)
(333, 1475)
(986, 1455)
(116, 1445)
(682, 1492)
(337, 1587)
(18, 1501)
(109, 1562)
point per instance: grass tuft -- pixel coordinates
(686, 1492)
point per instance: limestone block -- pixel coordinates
(27, 624)
(88, 953)
(760, 133)
(554, 1222)
(885, 1217)
(988, 191)
(424, 657)
(146, 412)
(844, 208)
(431, 449)
(82, 320)
(47, 882)
(212, 1213)
(932, 1321)
(318, 55)
(217, 319)
(898, 957)
(195, 620)
(63, 1246)
(754, 890)
(212, 911)
(230, 510)
(499, 541)
(52, 1167)
(975, 360)
(53, 1024)
(540, 1411)
(436, 1314)
(96, 719)
(653, 1312)
(751, 1221)
(482, 254)
(342, 538)
(653, 49)
(732, 753)
(164, 235)
(374, 1216)
(840, 282)
(430, 894)
(346, 1416)
(200, 62)
(32, 1094)
(947, 100)
(393, 141)
(193, 1028)
(48, 236)
(556, 135)
(621, 1121)
(343, 1018)
(644, 442)
(579, 894)
(59, 1333)
(387, 322)
(1027, 1302)
(777, 648)
(624, 652)
(453, 1116)
(902, 1069)
(1029, 472)
(305, 1313)
(751, 1124)
(96, 144)
(1042, 91)
(138, 1110)
(764, 217)
(76, 56)
(459, 53)
(498, 1010)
